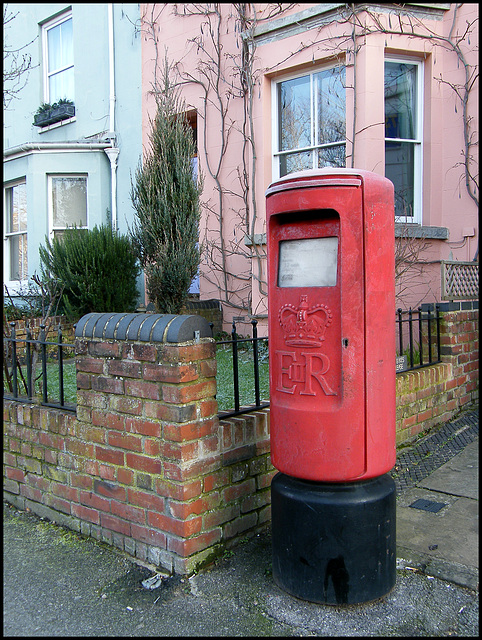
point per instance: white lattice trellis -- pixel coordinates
(460, 280)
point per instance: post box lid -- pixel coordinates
(327, 177)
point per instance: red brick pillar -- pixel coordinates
(148, 420)
(459, 339)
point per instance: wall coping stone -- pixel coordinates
(143, 327)
(469, 305)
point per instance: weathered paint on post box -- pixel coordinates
(331, 324)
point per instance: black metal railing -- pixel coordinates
(236, 342)
(19, 367)
(418, 340)
(419, 337)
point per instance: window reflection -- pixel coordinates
(294, 114)
(330, 86)
(401, 133)
(311, 117)
(69, 202)
(16, 211)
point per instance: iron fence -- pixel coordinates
(20, 356)
(418, 337)
(418, 342)
(235, 343)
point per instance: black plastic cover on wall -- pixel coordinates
(143, 327)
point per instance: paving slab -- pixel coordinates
(451, 534)
(459, 476)
(443, 543)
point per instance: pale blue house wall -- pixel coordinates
(25, 155)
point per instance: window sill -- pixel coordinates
(402, 230)
(56, 125)
(259, 239)
(411, 230)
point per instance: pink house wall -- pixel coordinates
(446, 202)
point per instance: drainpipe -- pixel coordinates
(112, 151)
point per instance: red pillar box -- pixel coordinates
(331, 324)
(331, 299)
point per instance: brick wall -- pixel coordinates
(53, 322)
(145, 464)
(432, 395)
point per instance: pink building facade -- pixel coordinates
(271, 89)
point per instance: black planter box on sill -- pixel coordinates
(59, 113)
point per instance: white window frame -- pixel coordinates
(276, 153)
(7, 267)
(54, 22)
(417, 141)
(51, 176)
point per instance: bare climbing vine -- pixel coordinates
(228, 75)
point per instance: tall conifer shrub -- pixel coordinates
(165, 196)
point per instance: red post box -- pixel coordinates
(331, 316)
(331, 324)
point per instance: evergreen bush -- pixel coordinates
(97, 268)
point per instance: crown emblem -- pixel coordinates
(304, 326)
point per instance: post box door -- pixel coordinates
(316, 331)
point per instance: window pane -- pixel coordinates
(400, 100)
(17, 208)
(18, 257)
(61, 85)
(330, 88)
(399, 168)
(60, 234)
(294, 105)
(295, 162)
(54, 51)
(60, 61)
(60, 46)
(331, 156)
(66, 43)
(69, 202)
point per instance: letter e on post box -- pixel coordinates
(331, 297)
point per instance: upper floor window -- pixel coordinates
(16, 232)
(58, 50)
(403, 137)
(311, 122)
(67, 202)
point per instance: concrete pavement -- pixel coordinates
(57, 582)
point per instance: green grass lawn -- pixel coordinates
(225, 390)
(225, 384)
(53, 390)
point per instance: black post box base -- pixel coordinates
(334, 543)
